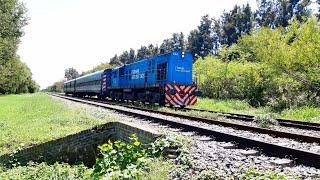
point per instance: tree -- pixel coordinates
(153, 50)
(233, 24)
(178, 42)
(293, 52)
(200, 40)
(99, 67)
(318, 1)
(15, 76)
(115, 60)
(278, 13)
(132, 55)
(166, 46)
(142, 52)
(56, 87)
(124, 58)
(71, 73)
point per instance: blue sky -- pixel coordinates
(82, 33)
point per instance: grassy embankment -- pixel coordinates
(310, 114)
(305, 113)
(35, 118)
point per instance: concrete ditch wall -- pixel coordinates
(80, 147)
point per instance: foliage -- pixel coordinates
(207, 175)
(45, 171)
(56, 87)
(200, 40)
(120, 160)
(293, 55)
(34, 118)
(265, 120)
(240, 80)
(101, 66)
(255, 174)
(278, 13)
(233, 24)
(15, 76)
(71, 73)
(277, 67)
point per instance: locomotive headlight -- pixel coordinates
(182, 55)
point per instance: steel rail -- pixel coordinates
(299, 156)
(275, 133)
(250, 118)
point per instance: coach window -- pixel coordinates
(162, 71)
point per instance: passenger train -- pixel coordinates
(165, 79)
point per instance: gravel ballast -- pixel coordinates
(209, 155)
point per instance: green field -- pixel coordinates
(34, 118)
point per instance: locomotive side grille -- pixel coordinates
(184, 95)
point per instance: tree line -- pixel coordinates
(212, 34)
(15, 76)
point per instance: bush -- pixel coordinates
(276, 67)
(121, 160)
(238, 80)
(265, 121)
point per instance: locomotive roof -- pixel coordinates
(118, 67)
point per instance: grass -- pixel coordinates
(34, 118)
(45, 171)
(311, 114)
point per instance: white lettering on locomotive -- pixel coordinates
(181, 69)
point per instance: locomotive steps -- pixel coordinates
(299, 156)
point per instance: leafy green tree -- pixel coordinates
(71, 73)
(233, 24)
(200, 40)
(15, 76)
(278, 13)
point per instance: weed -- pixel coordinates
(265, 121)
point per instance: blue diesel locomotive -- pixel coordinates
(165, 79)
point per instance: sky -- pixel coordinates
(82, 33)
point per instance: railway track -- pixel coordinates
(275, 133)
(299, 156)
(250, 118)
